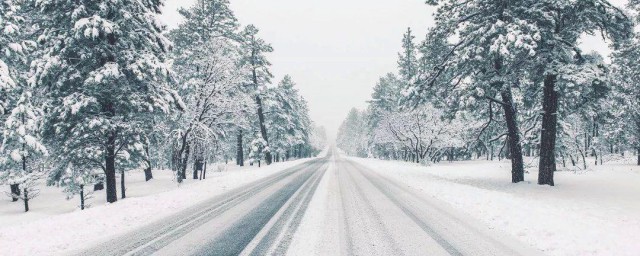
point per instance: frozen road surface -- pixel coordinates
(372, 215)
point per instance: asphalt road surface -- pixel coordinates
(375, 216)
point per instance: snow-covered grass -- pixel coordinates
(55, 225)
(595, 212)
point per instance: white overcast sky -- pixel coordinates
(335, 50)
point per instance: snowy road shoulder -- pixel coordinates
(594, 213)
(59, 234)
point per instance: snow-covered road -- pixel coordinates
(356, 212)
(383, 217)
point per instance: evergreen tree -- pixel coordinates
(352, 134)
(21, 150)
(254, 50)
(483, 63)
(287, 119)
(103, 69)
(560, 61)
(407, 59)
(14, 64)
(626, 107)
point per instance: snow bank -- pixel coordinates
(587, 213)
(54, 227)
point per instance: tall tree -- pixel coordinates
(408, 59)
(559, 59)
(627, 92)
(14, 64)
(255, 50)
(211, 86)
(477, 51)
(103, 70)
(287, 119)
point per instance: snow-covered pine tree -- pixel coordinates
(627, 91)
(21, 149)
(258, 149)
(352, 134)
(205, 20)
(560, 61)
(477, 51)
(318, 139)
(287, 119)
(384, 99)
(407, 59)
(11, 64)
(102, 66)
(78, 181)
(254, 51)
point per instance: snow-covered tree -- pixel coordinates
(423, 134)
(12, 50)
(21, 150)
(500, 51)
(477, 49)
(211, 82)
(103, 69)
(560, 64)
(258, 150)
(384, 100)
(254, 57)
(318, 138)
(203, 21)
(287, 119)
(15, 54)
(408, 58)
(626, 94)
(77, 181)
(352, 134)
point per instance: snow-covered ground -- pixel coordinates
(59, 226)
(594, 212)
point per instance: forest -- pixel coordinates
(93, 89)
(508, 80)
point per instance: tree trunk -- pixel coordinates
(148, 175)
(81, 197)
(263, 127)
(573, 162)
(110, 168)
(198, 167)
(239, 150)
(15, 191)
(185, 162)
(549, 127)
(26, 200)
(204, 171)
(122, 190)
(510, 112)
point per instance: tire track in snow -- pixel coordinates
(485, 244)
(154, 236)
(235, 239)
